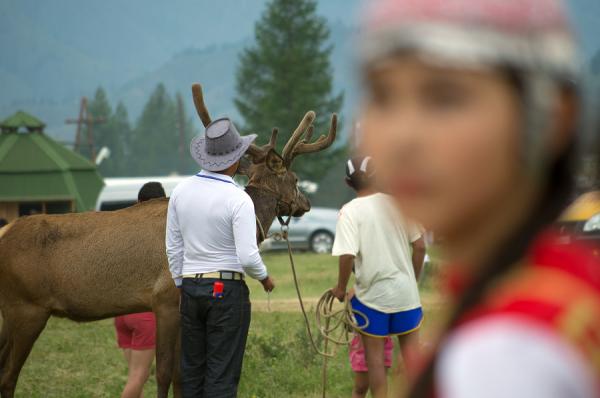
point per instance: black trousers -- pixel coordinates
(213, 337)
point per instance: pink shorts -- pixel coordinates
(136, 331)
(356, 353)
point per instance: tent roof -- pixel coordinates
(35, 152)
(22, 119)
(35, 167)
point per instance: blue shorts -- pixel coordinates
(382, 324)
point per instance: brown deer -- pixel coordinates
(97, 265)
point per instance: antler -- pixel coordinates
(258, 153)
(300, 147)
(199, 103)
(305, 123)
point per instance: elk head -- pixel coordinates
(272, 184)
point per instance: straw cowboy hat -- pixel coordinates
(220, 146)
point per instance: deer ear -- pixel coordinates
(275, 162)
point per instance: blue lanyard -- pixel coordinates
(213, 178)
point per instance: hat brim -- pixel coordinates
(220, 162)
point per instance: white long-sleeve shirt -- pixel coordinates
(211, 226)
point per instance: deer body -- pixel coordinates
(45, 253)
(85, 267)
(97, 265)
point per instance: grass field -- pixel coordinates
(73, 360)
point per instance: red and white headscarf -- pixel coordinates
(531, 37)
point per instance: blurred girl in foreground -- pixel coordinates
(470, 115)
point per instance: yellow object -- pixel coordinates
(583, 208)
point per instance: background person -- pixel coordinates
(387, 254)
(136, 333)
(471, 114)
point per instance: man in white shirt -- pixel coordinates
(387, 254)
(211, 246)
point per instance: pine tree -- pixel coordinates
(186, 164)
(286, 73)
(154, 142)
(121, 129)
(113, 133)
(99, 109)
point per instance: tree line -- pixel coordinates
(283, 74)
(155, 145)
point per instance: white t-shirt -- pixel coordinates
(371, 229)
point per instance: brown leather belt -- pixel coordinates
(225, 275)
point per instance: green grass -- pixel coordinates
(316, 273)
(82, 360)
(72, 360)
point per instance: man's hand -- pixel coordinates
(339, 293)
(268, 284)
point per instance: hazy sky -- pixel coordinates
(56, 51)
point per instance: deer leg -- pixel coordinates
(3, 345)
(27, 322)
(177, 367)
(167, 329)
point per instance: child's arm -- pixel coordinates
(418, 255)
(346, 263)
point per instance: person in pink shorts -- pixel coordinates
(358, 363)
(136, 333)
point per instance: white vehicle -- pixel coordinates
(122, 192)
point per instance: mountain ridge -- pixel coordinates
(64, 49)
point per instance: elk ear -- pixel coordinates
(275, 162)
(244, 167)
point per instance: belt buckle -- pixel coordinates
(227, 275)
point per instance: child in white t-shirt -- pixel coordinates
(387, 254)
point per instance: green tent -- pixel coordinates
(36, 169)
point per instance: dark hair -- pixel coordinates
(359, 177)
(151, 190)
(3, 222)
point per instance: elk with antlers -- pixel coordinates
(272, 185)
(98, 265)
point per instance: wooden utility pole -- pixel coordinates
(85, 119)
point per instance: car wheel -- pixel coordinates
(321, 242)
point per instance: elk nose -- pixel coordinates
(303, 207)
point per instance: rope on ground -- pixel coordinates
(334, 326)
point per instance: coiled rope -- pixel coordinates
(335, 326)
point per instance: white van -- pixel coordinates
(122, 192)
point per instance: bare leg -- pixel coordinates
(409, 351)
(374, 353)
(361, 385)
(27, 322)
(140, 362)
(127, 355)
